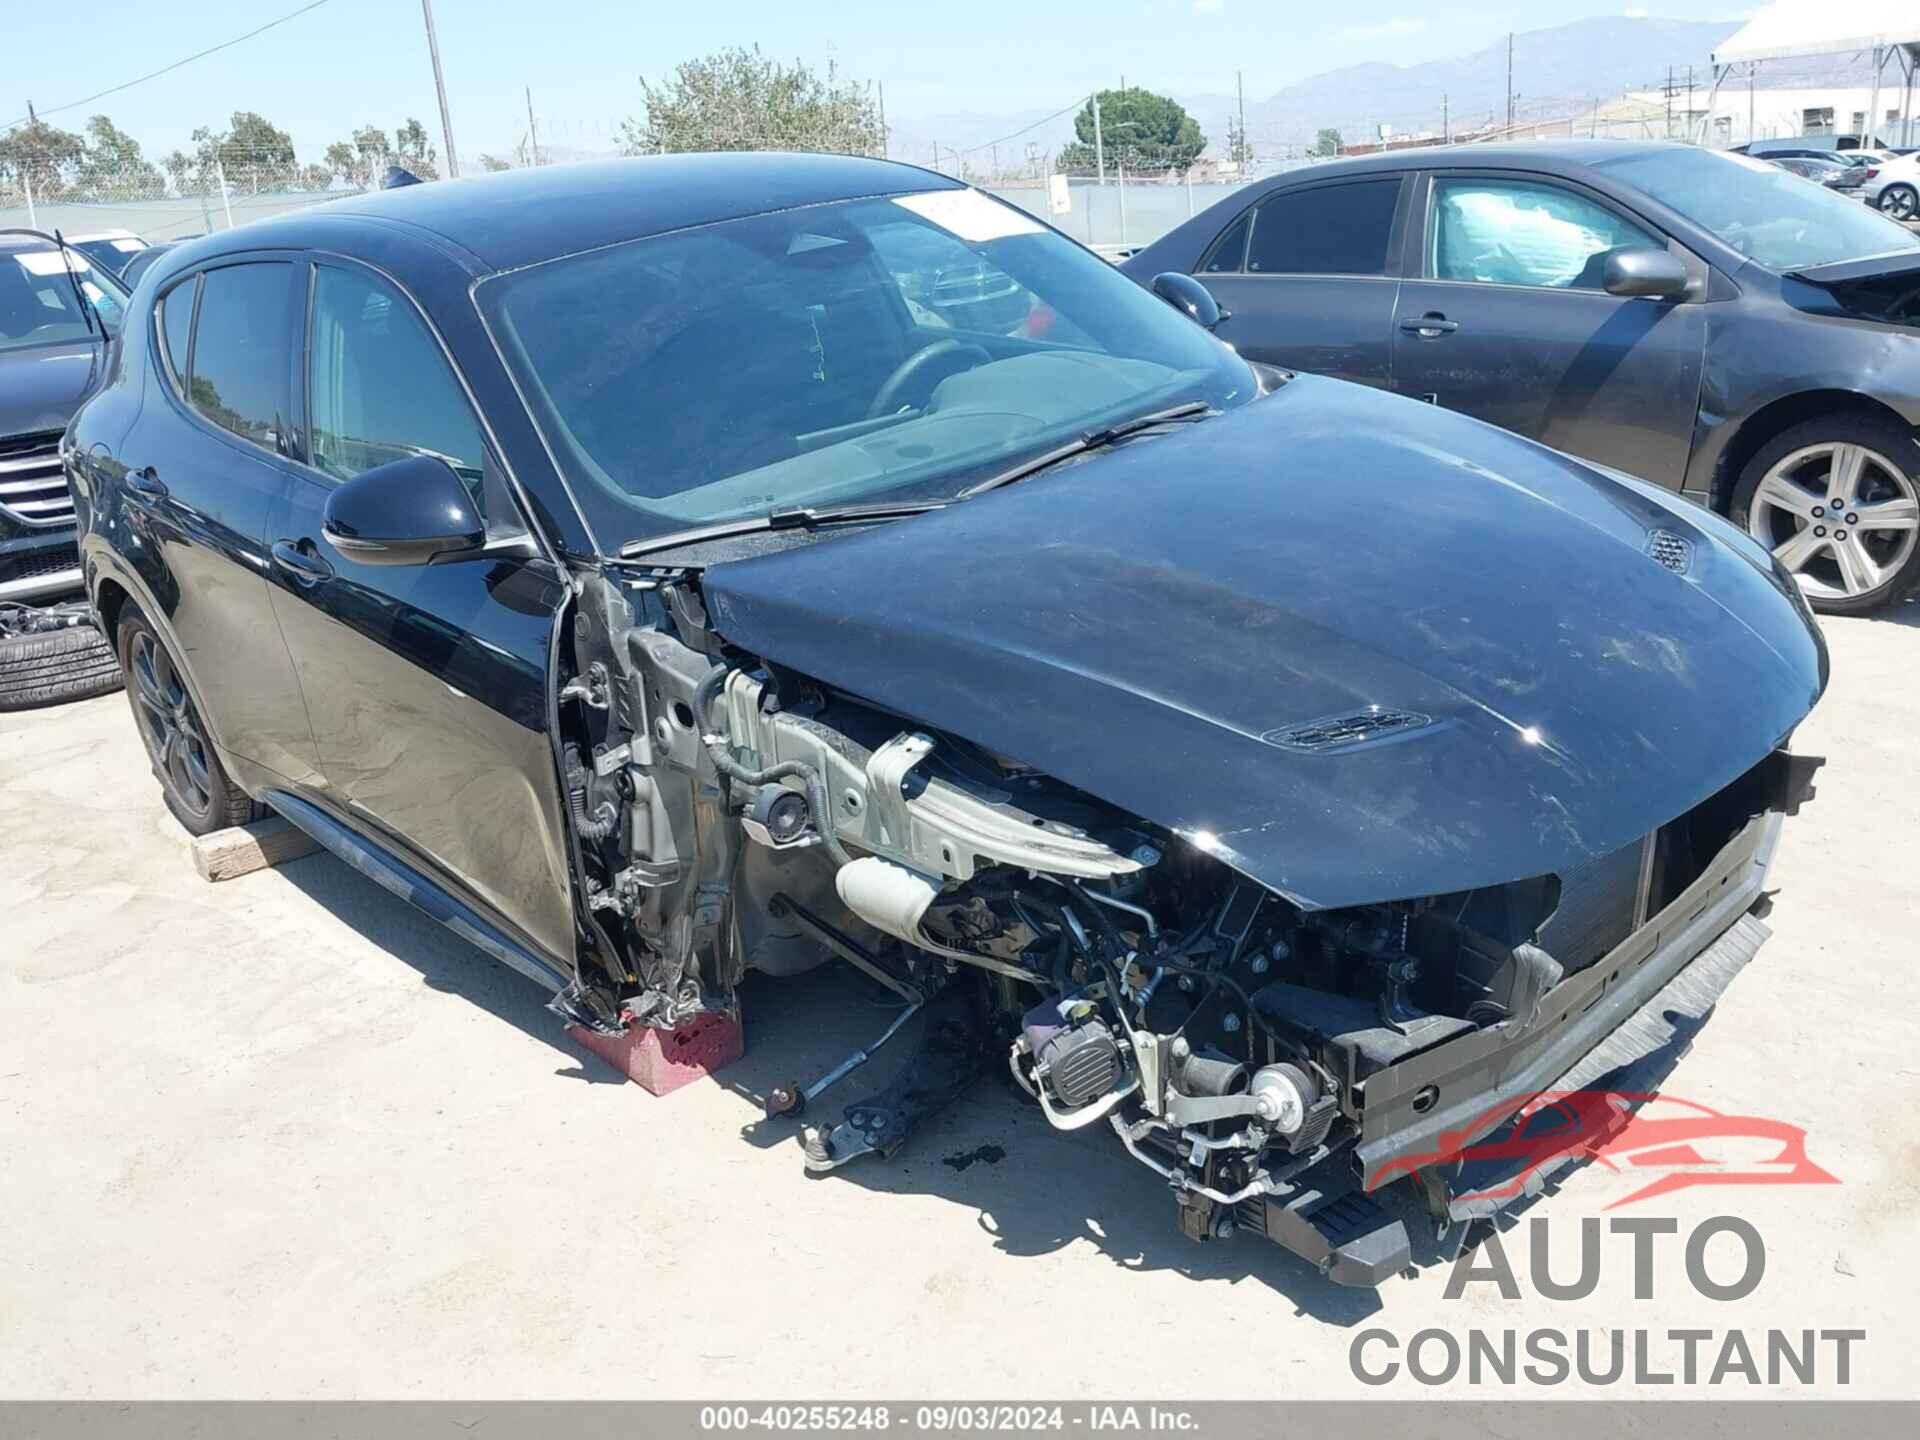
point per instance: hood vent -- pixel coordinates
(1344, 732)
(1671, 550)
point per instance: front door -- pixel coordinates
(1504, 318)
(1308, 274)
(427, 684)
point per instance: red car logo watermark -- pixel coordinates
(1627, 1132)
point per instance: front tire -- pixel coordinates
(1837, 501)
(1900, 202)
(195, 785)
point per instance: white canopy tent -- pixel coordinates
(1789, 29)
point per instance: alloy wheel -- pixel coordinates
(1899, 201)
(168, 724)
(1840, 518)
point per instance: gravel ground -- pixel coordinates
(282, 1137)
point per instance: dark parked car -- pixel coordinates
(1697, 319)
(628, 565)
(58, 313)
(137, 266)
(1822, 170)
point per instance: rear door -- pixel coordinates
(1502, 316)
(427, 684)
(1309, 274)
(204, 470)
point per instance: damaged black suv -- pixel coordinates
(638, 567)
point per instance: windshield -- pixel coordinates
(842, 354)
(37, 303)
(1767, 214)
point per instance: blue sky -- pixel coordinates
(352, 62)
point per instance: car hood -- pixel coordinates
(1171, 626)
(42, 386)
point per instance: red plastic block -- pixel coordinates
(661, 1061)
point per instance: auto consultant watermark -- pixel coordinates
(1502, 1152)
(1502, 1155)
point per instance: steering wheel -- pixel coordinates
(914, 366)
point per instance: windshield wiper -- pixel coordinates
(796, 517)
(95, 325)
(1092, 440)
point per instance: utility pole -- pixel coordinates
(1689, 100)
(1446, 123)
(1509, 85)
(220, 174)
(883, 121)
(440, 86)
(1245, 151)
(1669, 94)
(533, 135)
(1099, 145)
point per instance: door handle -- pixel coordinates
(146, 483)
(301, 559)
(1430, 326)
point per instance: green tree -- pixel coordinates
(415, 151)
(112, 167)
(738, 99)
(493, 164)
(1138, 129)
(41, 155)
(361, 161)
(252, 153)
(1328, 142)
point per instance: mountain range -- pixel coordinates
(1562, 70)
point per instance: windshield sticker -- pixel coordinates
(969, 214)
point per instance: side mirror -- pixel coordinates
(1190, 298)
(1644, 272)
(406, 512)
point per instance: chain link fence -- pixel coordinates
(1115, 194)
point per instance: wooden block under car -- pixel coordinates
(661, 1061)
(243, 849)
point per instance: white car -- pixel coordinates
(1895, 189)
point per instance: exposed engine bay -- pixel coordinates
(731, 815)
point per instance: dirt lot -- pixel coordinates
(283, 1137)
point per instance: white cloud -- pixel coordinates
(1206, 6)
(1384, 30)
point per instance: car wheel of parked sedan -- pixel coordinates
(1837, 501)
(1900, 201)
(198, 790)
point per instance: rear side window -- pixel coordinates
(176, 324)
(380, 386)
(1330, 230)
(243, 352)
(1229, 252)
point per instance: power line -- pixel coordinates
(164, 69)
(1045, 119)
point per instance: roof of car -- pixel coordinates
(13, 240)
(1538, 155)
(520, 217)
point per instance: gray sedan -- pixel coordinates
(1702, 320)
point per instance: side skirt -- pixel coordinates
(398, 878)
